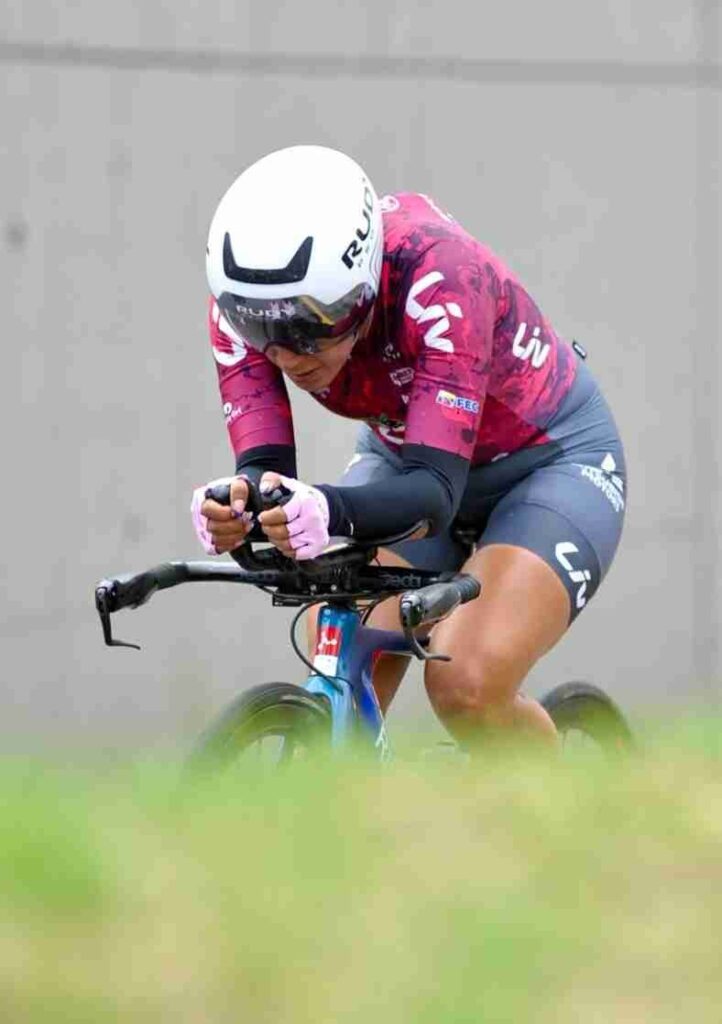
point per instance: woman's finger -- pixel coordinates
(273, 516)
(236, 528)
(269, 482)
(218, 513)
(222, 546)
(285, 548)
(276, 534)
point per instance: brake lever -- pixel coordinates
(102, 604)
(418, 651)
(410, 614)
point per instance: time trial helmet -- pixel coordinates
(295, 249)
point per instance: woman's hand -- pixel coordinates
(221, 528)
(299, 528)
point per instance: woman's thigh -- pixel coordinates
(522, 611)
(571, 516)
(544, 551)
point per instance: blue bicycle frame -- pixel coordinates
(344, 658)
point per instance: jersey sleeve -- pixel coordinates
(254, 397)
(426, 491)
(449, 316)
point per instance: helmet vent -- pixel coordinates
(295, 270)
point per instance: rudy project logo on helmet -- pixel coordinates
(353, 252)
(272, 310)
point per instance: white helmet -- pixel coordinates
(295, 249)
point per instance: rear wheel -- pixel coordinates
(587, 720)
(266, 727)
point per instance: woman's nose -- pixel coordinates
(278, 355)
(285, 359)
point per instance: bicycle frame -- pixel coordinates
(344, 655)
(345, 648)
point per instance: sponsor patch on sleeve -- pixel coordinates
(456, 407)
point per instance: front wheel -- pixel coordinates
(267, 726)
(587, 718)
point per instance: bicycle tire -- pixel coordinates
(302, 720)
(584, 708)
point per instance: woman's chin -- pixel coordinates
(314, 381)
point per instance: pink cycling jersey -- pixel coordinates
(458, 356)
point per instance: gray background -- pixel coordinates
(580, 140)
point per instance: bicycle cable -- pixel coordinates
(370, 609)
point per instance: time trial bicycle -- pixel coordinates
(337, 705)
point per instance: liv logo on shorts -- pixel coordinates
(581, 576)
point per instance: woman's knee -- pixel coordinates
(481, 682)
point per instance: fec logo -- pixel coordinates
(456, 407)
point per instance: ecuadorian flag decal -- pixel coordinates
(455, 407)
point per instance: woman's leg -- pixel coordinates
(494, 641)
(546, 548)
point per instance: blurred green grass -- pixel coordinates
(428, 890)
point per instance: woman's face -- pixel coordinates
(315, 371)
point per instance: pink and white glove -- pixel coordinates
(307, 518)
(200, 522)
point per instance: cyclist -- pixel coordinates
(474, 414)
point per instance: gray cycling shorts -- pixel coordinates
(563, 500)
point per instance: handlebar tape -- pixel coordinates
(437, 600)
(131, 591)
(468, 586)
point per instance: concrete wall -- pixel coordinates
(579, 140)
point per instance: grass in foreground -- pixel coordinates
(425, 891)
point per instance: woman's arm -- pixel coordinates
(427, 489)
(255, 403)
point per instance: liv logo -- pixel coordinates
(581, 576)
(438, 314)
(228, 348)
(530, 349)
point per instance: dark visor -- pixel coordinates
(300, 322)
